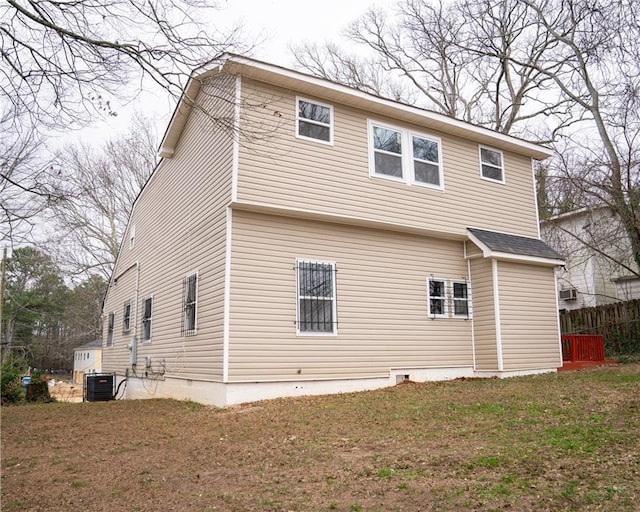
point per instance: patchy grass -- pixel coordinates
(554, 442)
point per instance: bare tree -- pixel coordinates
(100, 187)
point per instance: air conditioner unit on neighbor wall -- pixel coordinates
(571, 294)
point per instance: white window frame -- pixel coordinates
(445, 305)
(132, 236)
(334, 299)
(184, 331)
(144, 300)
(126, 317)
(313, 121)
(406, 155)
(469, 314)
(493, 180)
(111, 327)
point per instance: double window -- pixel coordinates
(147, 317)
(316, 297)
(448, 298)
(491, 164)
(314, 121)
(189, 304)
(402, 155)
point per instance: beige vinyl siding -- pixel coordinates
(528, 316)
(180, 223)
(484, 318)
(472, 250)
(117, 356)
(381, 300)
(280, 169)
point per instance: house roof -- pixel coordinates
(332, 91)
(503, 245)
(90, 345)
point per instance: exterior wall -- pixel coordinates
(279, 169)
(381, 300)
(628, 289)
(484, 318)
(528, 317)
(180, 228)
(86, 361)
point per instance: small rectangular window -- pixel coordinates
(437, 293)
(314, 121)
(126, 317)
(491, 164)
(189, 304)
(132, 237)
(461, 300)
(387, 152)
(147, 316)
(316, 291)
(110, 328)
(426, 161)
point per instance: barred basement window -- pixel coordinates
(317, 311)
(112, 322)
(147, 312)
(189, 304)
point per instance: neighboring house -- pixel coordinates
(87, 358)
(318, 239)
(599, 266)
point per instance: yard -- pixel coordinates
(569, 441)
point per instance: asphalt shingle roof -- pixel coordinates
(513, 244)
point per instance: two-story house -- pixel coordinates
(301, 237)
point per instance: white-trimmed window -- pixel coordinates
(437, 297)
(405, 156)
(316, 297)
(461, 299)
(126, 317)
(189, 304)
(147, 317)
(491, 164)
(110, 327)
(314, 121)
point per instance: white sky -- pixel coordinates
(279, 23)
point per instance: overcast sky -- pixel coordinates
(280, 23)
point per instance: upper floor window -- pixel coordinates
(189, 303)
(126, 317)
(405, 156)
(491, 164)
(132, 237)
(314, 121)
(147, 316)
(317, 312)
(110, 328)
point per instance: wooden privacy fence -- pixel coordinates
(618, 323)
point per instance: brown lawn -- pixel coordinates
(569, 441)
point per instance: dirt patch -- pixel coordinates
(554, 442)
(66, 392)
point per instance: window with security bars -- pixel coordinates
(460, 292)
(317, 311)
(110, 329)
(189, 304)
(147, 316)
(449, 298)
(437, 297)
(126, 317)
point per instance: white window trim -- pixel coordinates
(111, 328)
(194, 331)
(407, 158)
(150, 319)
(503, 180)
(469, 315)
(445, 313)
(334, 298)
(311, 121)
(128, 329)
